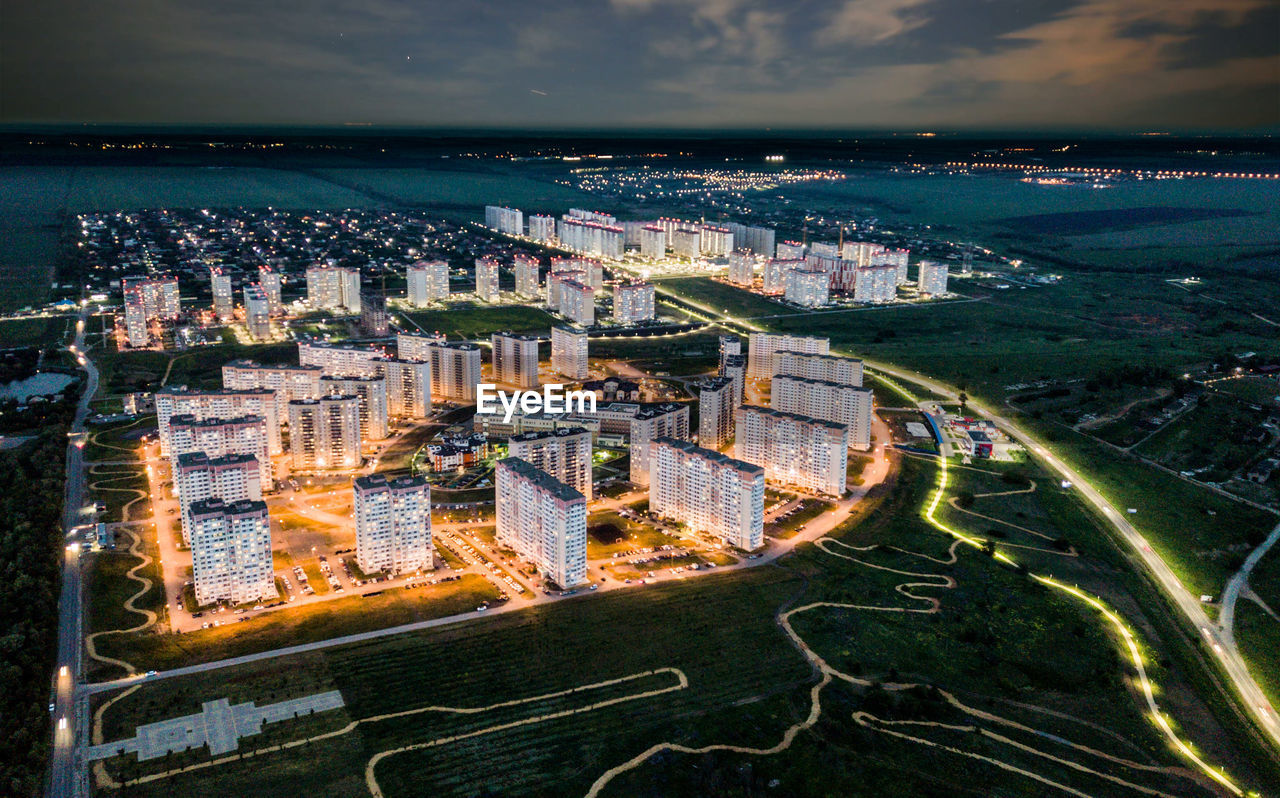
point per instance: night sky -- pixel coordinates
(783, 64)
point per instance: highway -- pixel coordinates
(1223, 646)
(65, 780)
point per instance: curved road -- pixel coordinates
(1223, 646)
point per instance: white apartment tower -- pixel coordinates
(408, 386)
(933, 278)
(715, 412)
(735, 368)
(564, 453)
(796, 450)
(542, 228)
(428, 281)
(844, 404)
(333, 288)
(543, 519)
(577, 303)
(569, 352)
(217, 404)
(487, 279)
(324, 433)
(775, 274)
(343, 360)
(231, 552)
(708, 491)
(257, 312)
(223, 437)
(650, 422)
(393, 524)
(653, 242)
(515, 359)
(762, 349)
(289, 382)
(633, 302)
(504, 220)
(197, 476)
(742, 268)
(527, 282)
(270, 281)
(808, 288)
(455, 366)
(832, 368)
(372, 392)
(224, 301)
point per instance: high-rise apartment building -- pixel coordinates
(504, 220)
(933, 278)
(542, 228)
(742, 268)
(289, 382)
(333, 288)
(220, 404)
(136, 324)
(543, 519)
(796, 450)
(775, 274)
(653, 242)
(224, 301)
(374, 320)
(577, 303)
(324, 433)
(197, 476)
(428, 281)
(789, 250)
(556, 281)
(762, 348)
(408, 384)
(633, 302)
(808, 288)
(831, 401)
(685, 242)
(714, 241)
(487, 279)
(569, 352)
(527, 282)
(270, 281)
(223, 437)
(756, 240)
(564, 453)
(667, 420)
(231, 552)
(831, 368)
(715, 412)
(734, 367)
(455, 365)
(393, 524)
(515, 359)
(372, 392)
(342, 360)
(257, 312)
(708, 491)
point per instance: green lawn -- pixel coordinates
(49, 331)
(464, 320)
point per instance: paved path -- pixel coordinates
(1239, 581)
(66, 779)
(1228, 656)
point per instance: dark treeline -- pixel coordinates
(31, 496)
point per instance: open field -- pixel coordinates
(460, 194)
(724, 298)
(118, 441)
(477, 321)
(609, 533)
(48, 331)
(996, 636)
(304, 623)
(122, 372)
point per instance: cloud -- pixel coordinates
(873, 21)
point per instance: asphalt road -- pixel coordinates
(64, 778)
(1223, 646)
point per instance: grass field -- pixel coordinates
(119, 441)
(999, 641)
(36, 331)
(477, 321)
